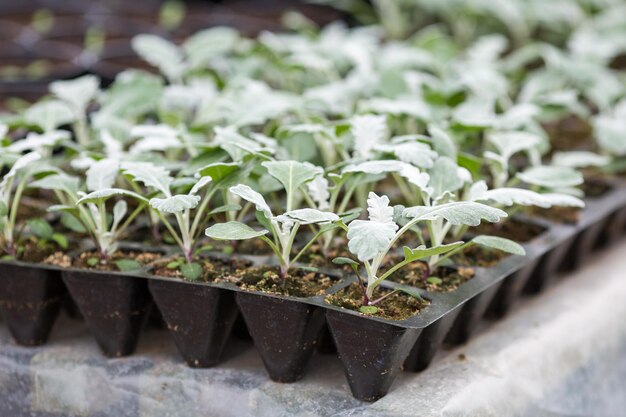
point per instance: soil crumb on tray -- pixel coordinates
(398, 306)
(213, 269)
(298, 283)
(512, 228)
(443, 279)
(60, 259)
(91, 260)
(564, 215)
(35, 251)
(315, 256)
(481, 256)
(242, 247)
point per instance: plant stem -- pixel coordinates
(128, 221)
(366, 299)
(199, 212)
(378, 300)
(170, 229)
(272, 245)
(313, 239)
(14, 208)
(451, 253)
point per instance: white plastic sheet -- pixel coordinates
(562, 353)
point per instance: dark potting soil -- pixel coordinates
(511, 228)
(398, 306)
(213, 269)
(416, 274)
(316, 258)
(83, 260)
(242, 247)
(476, 255)
(298, 283)
(33, 251)
(569, 133)
(593, 188)
(60, 259)
(564, 215)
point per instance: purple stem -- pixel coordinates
(382, 298)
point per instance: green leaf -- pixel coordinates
(551, 176)
(292, 174)
(253, 197)
(161, 53)
(59, 182)
(412, 292)
(309, 216)
(368, 309)
(510, 143)
(434, 280)
(373, 167)
(61, 240)
(36, 141)
(368, 131)
(93, 261)
(101, 175)
(119, 211)
(208, 44)
(176, 203)
(340, 260)
(41, 228)
(77, 92)
(102, 195)
(351, 214)
(233, 231)
(610, 130)
(442, 142)
(423, 252)
(49, 115)
(456, 213)
(4, 210)
(580, 159)
(127, 265)
(150, 175)
(500, 243)
(509, 196)
(444, 176)
(173, 265)
(471, 163)
(220, 171)
(72, 223)
(263, 221)
(22, 162)
(368, 238)
(200, 184)
(225, 208)
(133, 93)
(191, 271)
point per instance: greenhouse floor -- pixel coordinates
(562, 353)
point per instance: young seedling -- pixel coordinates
(610, 135)
(190, 209)
(197, 52)
(77, 94)
(23, 170)
(372, 240)
(90, 209)
(282, 228)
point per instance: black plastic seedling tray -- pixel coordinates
(285, 330)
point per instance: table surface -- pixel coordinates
(562, 353)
